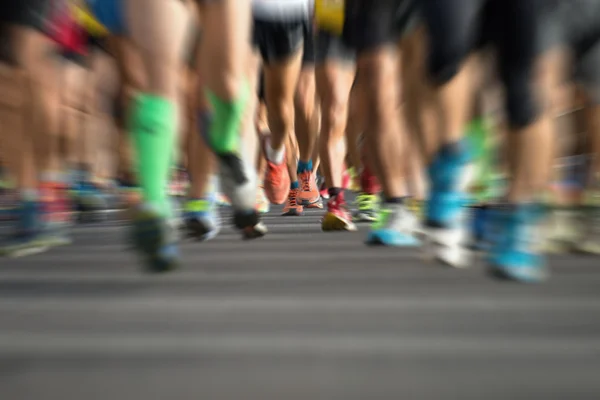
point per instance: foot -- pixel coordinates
(368, 205)
(154, 236)
(277, 180)
(446, 215)
(337, 217)
(292, 208)
(201, 218)
(515, 254)
(395, 226)
(262, 203)
(26, 237)
(309, 193)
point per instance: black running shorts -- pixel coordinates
(29, 13)
(369, 24)
(331, 47)
(277, 41)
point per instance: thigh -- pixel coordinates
(159, 32)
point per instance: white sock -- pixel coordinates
(275, 156)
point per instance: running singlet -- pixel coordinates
(329, 15)
(282, 10)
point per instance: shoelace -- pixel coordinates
(292, 197)
(305, 179)
(365, 202)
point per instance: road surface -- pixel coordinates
(298, 315)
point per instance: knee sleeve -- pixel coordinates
(522, 106)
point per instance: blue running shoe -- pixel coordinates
(201, 218)
(155, 237)
(446, 214)
(395, 226)
(515, 254)
(27, 237)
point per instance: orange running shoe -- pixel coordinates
(292, 208)
(277, 182)
(309, 193)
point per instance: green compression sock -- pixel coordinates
(478, 134)
(153, 127)
(225, 127)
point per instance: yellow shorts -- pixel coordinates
(85, 19)
(329, 15)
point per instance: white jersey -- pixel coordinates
(282, 10)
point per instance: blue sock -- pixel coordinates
(305, 166)
(294, 185)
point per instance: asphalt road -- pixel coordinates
(299, 315)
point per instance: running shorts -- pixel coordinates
(329, 20)
(29, 13)
(369, 24)
(277, 41)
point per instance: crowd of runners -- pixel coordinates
(447, 117)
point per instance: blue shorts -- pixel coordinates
(110, 13)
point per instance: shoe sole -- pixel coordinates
(250, 225)
(200, 231)
(503, 275)
(332, 223)
(292, 213)
(25, 251)
(364, 218)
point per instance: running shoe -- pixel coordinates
(309, 193)
(179, 184)
(277, 180)
(90, 202)
(515, 254)
(26, 237)
(262, 203)
(337, 217)
(368, 206)
(201, 218)
(446, 215)
(354, 184)
(237, 181)
(155, 237)
(324, 191)
(292, 208)
(588, 220)
(587, 239)
(56, 214)
(395, 226)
